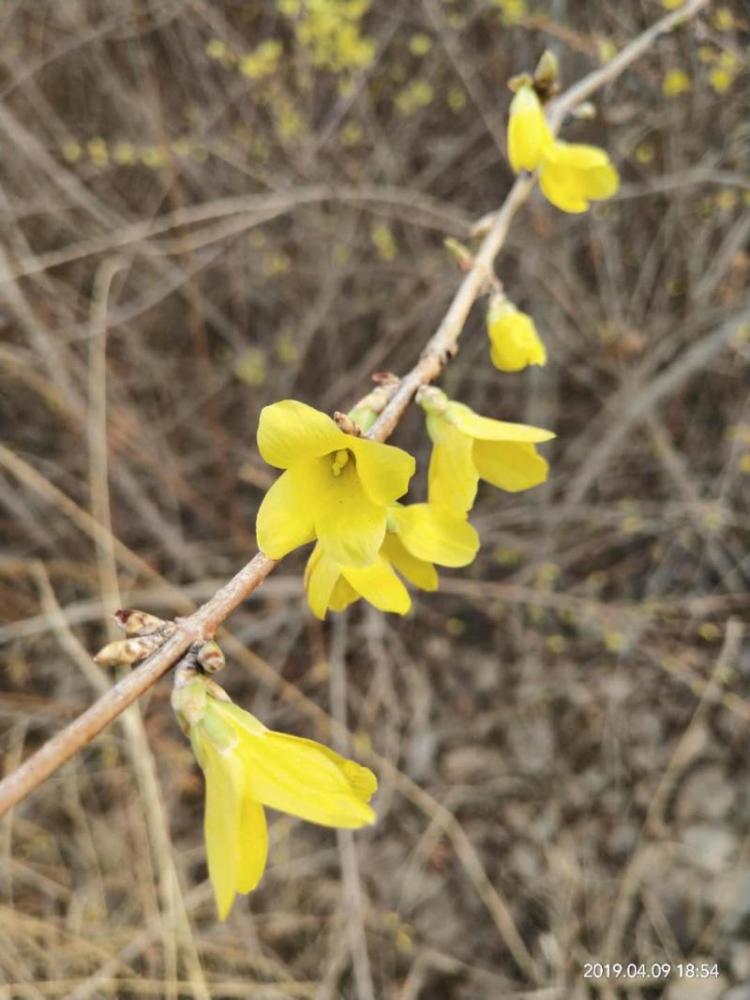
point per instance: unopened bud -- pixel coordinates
(210, 657)
(546, 74)
(137, 622)
(128, 652)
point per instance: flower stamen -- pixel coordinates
(340, 460)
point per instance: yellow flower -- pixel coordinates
(336, 487)
(513, 11)
(418, 535)
(468, 447)
(606, 48)
(247, 767)
(720, 79)
(722, 76)
(124, 153)
(644, 153)
(98, 152)
(71, 151)
(672, 4)
(262, 61)
(723, 19)
(572, 174)
(676, 81)
(528, 131)
(515, 341)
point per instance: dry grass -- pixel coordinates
(561, 733)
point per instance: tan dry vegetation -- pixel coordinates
(563, 730)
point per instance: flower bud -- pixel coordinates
(211, 657)
(528, 131)
(515, 341)
(128, 652)
(546, 73)
(138, 622)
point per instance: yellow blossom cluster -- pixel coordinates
(342, 491)
(723, 68)
(329, 30)
(101, 153)
(260, 62)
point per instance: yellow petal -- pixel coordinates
(485, 428)
(248, 732)
(514, 338)
(452, 476)
(602, 182)
(562, 190)
(577, 155)
(290, 432)
(572, 174)
(418, 572)
(285, 518)
(235, 718)
(384, 471)
(222, 821)
(435, 534)
(321, 576)
(511, 466)
(379, 585)
(343, 595)
(349, 526)
(528, 132)
(362, 781)
(253, 845)
(303, 779)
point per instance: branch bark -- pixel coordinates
(206, 620)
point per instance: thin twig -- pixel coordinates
(204, 622)
(355, 906)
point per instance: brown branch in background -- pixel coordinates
(441, 346)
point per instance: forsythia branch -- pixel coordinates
(204, 622)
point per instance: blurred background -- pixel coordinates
(209, 205)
